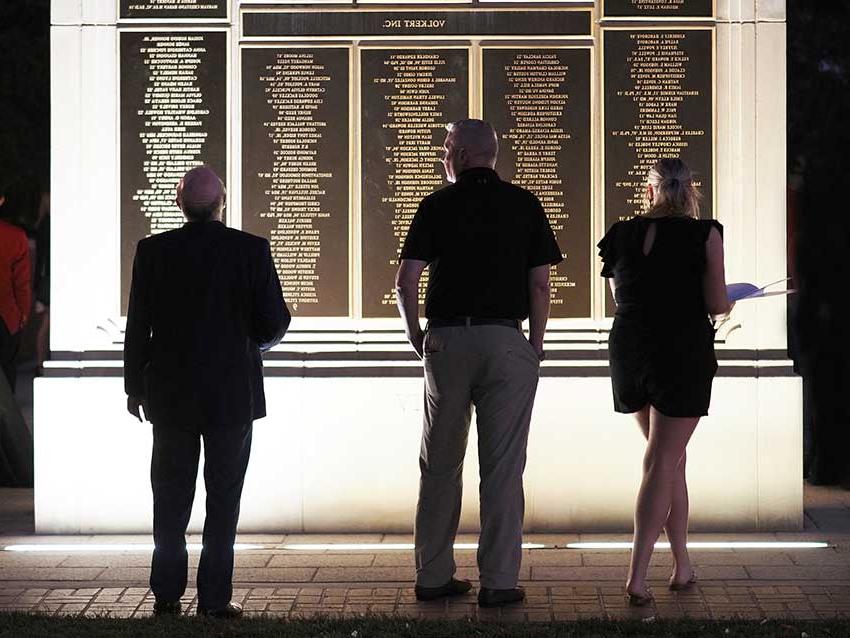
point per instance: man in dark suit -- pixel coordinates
(204, 302)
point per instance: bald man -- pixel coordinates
(488, 246)
(204, 302)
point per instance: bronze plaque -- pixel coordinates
(173, 108)
(172, 9)
(658, 103)
(658, 8)
(538, 100)
(416, 22)
(295, 176)
(407, 98)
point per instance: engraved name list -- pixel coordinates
(295, 170)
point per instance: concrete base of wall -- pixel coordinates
(341, 455)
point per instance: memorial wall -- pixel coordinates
(342, 114)
(326, 120)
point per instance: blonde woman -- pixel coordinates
(666, 273)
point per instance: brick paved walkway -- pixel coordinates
(562, 584)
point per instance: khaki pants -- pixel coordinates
(495, 369)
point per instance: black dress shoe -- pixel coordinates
(823, 474)
(454, 587)
(822, 479)
(167, 608)
(498, 597)
(230, 610)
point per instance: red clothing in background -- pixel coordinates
(15, 282)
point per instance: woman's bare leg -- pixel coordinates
(668, 438)
(676, 525)
(642, 417)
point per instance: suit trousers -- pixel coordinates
(174, 471)
(495, 369)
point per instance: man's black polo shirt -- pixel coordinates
(480, 237)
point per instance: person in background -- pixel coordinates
(15, 284)
(41, 282)
(820, 336)
(489, 247)
(667, 276)
(205, 301)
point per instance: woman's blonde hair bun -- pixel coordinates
(674, 190)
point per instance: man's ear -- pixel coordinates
(178, 197)
(462, 157)
(2, 199)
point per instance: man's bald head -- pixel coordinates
(469, 144)
(201, 194)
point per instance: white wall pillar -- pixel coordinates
(751, 172)
(84, 179)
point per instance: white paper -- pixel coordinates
(742, 290)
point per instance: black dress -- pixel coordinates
(661, 346)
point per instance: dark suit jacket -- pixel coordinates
(205, 300)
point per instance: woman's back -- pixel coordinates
(661, 346)
(658, 265)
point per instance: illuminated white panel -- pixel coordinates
(66, 12)
(380, 547)
(84, 285)
(775, 545)
(100, 12)
(738, 10)
(84, 548)
(341, 455)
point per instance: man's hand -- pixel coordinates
(539, 298)
(407, 297)
(538, 348)
(417, 340)
(133, 405)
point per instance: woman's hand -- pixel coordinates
(723, 316)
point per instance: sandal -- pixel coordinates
(688, 584)
(639, 600)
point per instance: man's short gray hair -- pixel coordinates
(477, 136)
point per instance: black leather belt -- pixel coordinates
(474, 321)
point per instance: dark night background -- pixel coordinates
(819, 220)
(819, 228)
(25, 103)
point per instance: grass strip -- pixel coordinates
(18, 625)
